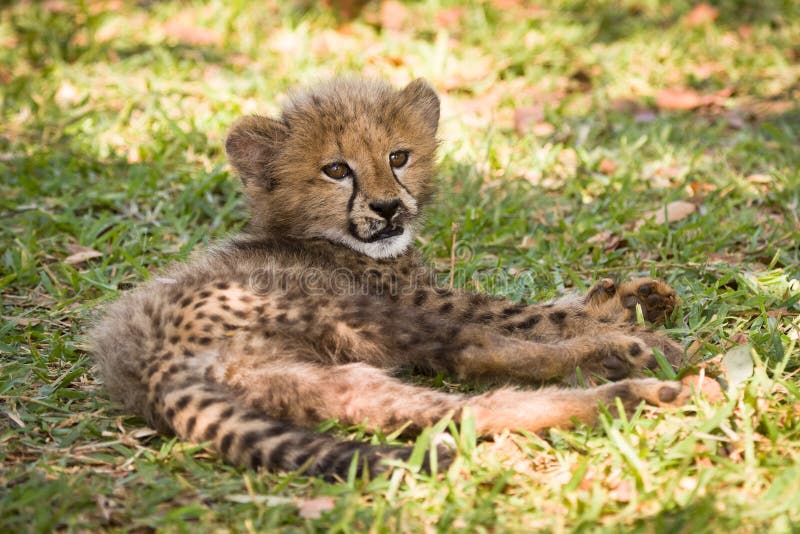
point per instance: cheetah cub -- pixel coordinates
(306, 314)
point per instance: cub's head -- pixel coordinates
(350, 161)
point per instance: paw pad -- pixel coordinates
(668, 393)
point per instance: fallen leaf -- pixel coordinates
(393, 15)
(700, 188)
(705, 385)
(189, 34)
(607, 166)
(759, 179)
(55, 6)
(679, 99)
(706, 70)
(543, 129)
(675, 211)
(686, 98)
(449, 17)
(737, 365)
(731, 259)
(740, 338)
(623, 492)
(80, 254)
(701, 14)
(607, 239)
(24, 321)
(313, 508)
(506, 4)
(347, 9)
(745, 31)
(525, 117)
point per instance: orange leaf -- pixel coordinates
(675, 211)
(701, 14)
(607, 166)
(679, 99)
(709, 387)
(684, 98)
(525, 117)
(189, 34)
(393, 15)
(449, 17)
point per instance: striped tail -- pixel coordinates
(244, 436)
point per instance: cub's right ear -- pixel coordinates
(252, 147)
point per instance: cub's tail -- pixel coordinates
(244, 436)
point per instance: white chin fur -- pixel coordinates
(390, 247)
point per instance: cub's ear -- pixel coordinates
(422, 98)
(252, 147)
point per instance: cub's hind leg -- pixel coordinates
(308, 393)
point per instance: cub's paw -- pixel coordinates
(649, 390)
(603, 291)
(613, 357)
(656, 299)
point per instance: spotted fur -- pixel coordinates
(306, 314)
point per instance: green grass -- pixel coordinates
(111, 125)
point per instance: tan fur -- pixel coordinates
(307, 314)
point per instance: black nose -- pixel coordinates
(385, 208)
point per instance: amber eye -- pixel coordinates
(337, 171)
(398, 159)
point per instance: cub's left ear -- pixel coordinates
(421, 97)
(252, 146)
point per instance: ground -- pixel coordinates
(581, 140)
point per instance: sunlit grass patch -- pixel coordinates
(567, 128)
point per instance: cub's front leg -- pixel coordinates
(481, 355)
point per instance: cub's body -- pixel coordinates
(306, 315)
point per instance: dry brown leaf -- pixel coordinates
(183, 31)
(675, 211)
(700, 188)
(525, 117)
(607, 166)
(347, 9)
(759, 179)
(679, 99)
(707, 69)
(685, 98)
(313, 508)
(739, 338)
(506, 4)
(24, 321)
(730, 259)
(709, 387)
(745, 31)
(55, 6)
(607, 239)
(701, 14)
(449, 17)
(80, 254)
(543, 129)
(393, 15)
(622, 492)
